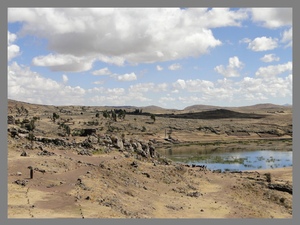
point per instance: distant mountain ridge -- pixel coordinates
(260, 106)
(158, 109)
(202, 107)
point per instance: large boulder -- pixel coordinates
(128, 146)
(88, 131)
(139, 146)
(145, 148)
(152, 151)
(117, 142)
(120, 144)
(93, 139)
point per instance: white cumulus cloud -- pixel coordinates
(11, 37)
(269, 58)
(12, 49)
(245, 40)
(161, 87)
(272, 17)
(65, 78)
(26, 85)
(248, 90)
(232, 69)
(104, 71)
(98, 82)
(271, 71)
(175, 66)
(260, 89)
(116, 96)
(287, 37)
(119, 35)
(165, 101)
(127, 77)
(159, 68)
(263, 44)
(179, 84)
(67, 63)
(141, 87)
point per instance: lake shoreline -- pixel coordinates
(232, 156)
(218, 142)
(228, 145)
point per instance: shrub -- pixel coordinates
(152, 117)
(105, 114)
(30, 125)
(66, 128)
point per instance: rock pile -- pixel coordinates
(145, 149)
(21, 182)
(46, 153)
(17, 132)
(24, 153)
(85, 152)
(94, 142)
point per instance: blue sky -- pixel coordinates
(169, 57)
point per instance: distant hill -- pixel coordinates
(158, 110)
(214, 114)
(265, 106)
(288, 105)
(262, 106)
(197, 108)
(13, 105)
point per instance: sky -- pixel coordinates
(168, 57)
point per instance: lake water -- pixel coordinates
(235, 160)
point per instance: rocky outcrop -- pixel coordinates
(10, 120)
(92, 139)
(106, 142)
(117, 142)
(262, 130)
(17, 131)
(46, 153)
(48, 140)
(282, 187)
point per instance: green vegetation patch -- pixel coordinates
(98, 151)
(212, 159)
